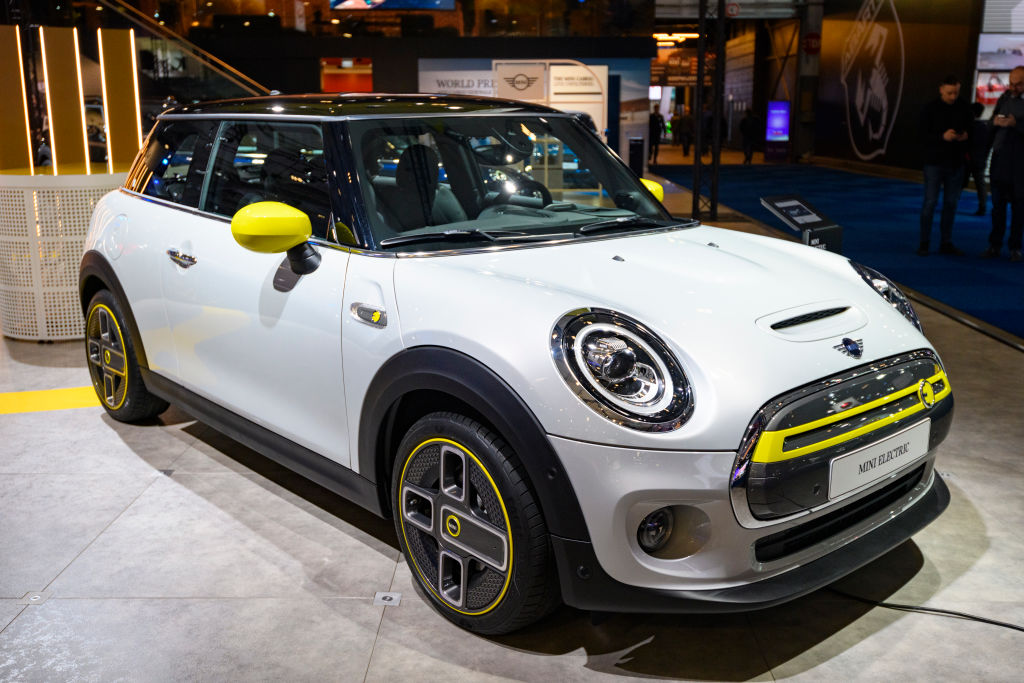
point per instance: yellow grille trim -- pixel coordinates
(769, 446)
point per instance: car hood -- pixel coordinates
(713, 296)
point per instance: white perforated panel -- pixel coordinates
(43, 223)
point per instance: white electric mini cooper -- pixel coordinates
(469, 315)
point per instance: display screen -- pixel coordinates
(348, 5)
(1000, 51)
(777, 125)
(798, 212)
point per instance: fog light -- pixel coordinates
(655, 530)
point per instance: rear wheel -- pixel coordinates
(115, 372)
(470, 527)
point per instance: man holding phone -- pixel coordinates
(1007, 168)
(944, 125)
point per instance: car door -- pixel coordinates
(163, 193)
(249, 334)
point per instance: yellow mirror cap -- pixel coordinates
(270, 227)
(654, 188)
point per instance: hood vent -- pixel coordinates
(809, 317)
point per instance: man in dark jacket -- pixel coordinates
(655, 132)
(944, 125)
(1007, 169)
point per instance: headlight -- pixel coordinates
(889, 291)
(621, 369)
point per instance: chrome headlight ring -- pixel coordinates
(621, 370)
(888, 290)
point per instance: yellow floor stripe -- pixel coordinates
(51, 399)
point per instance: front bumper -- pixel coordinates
(586, 586)
(730, 552)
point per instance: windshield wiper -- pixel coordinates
(438, 236)
(491, 235)
(624, 222)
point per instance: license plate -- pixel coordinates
(869, 464)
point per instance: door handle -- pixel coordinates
(179, 259)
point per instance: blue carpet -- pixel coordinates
(880, 219)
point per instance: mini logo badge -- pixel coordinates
(521, 81)
(452, 526)
(926, 392)
(851, 347)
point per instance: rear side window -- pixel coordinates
(259, 161)
(172, 165)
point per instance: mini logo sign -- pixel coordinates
(871, 72)
(850, 347)
(521, 81)
(926, 392)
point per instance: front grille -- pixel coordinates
(783, 466)
(841, 427)
(806, 535)
(809, 317)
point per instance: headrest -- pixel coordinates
(417, 171)
(282, 163)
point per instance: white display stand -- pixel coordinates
(43, 222)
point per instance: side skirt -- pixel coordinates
(311, 465)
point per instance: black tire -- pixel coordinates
(113, 367)
(455, 479)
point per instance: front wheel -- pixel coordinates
(469, 526)
(115, 372)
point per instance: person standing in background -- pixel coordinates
(686, 130)
(1007, 170)
(748, 133)
(657, 130)
(944, 125)
(979, 142)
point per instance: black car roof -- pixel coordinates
(356, 104)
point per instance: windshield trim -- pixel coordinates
(488, 247)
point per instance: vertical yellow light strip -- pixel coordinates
(24, 103)
(106, 101)
(81, 101)
(49, 108)
(135, 80)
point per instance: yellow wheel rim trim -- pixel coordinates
(120, 340)
(504, 512)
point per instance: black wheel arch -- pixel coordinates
(96, 273)
(426, 379)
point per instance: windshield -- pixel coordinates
(462, 181)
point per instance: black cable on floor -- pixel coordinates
(927, 610)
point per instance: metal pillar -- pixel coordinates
(698, 108)
(708, 181)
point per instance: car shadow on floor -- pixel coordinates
(726, 647)
(334, 505)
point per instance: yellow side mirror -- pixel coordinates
(270, 227)
(654, 188)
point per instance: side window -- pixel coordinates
(267, 161)
(172, 165)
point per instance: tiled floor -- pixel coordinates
(168, 552)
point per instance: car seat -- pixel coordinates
(414, 198)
